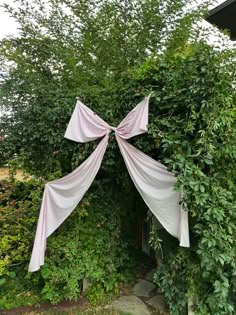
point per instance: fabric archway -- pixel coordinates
(154, 183)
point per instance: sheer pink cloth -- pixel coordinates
(152, 180)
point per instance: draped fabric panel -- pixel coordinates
(60, 198)
(154, 183)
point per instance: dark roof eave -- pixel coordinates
(223, 16)
(220, 7)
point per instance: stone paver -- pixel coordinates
(143, 288)
(130, 304)
(139, 303)
(158, 302)
(149, 275)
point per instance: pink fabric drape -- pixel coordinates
(152, 180)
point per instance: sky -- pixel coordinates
(7, 24)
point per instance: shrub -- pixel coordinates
(193, 131)
(88, 245)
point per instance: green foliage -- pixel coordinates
(77, 48)
(19, 204)
(193, 124)
(90, 244)
(111, 54)
(191, 130)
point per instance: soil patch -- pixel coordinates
(63, 306)
(4, 174)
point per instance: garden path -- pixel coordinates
(144, 300)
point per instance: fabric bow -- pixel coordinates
(154, 183)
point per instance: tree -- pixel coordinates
(77, 48)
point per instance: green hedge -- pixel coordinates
(192, 130)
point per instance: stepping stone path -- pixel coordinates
(158, 302)
(130, 304)
(143, 288)
(145, 300)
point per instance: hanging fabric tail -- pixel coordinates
(155, 184)
(60, 198)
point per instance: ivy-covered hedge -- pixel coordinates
(110, 59)
(193, 131)
(90, 244)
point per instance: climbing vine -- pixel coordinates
(193, 124)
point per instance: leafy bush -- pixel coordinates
(193, 128)
(90, 244)
(19, 204)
